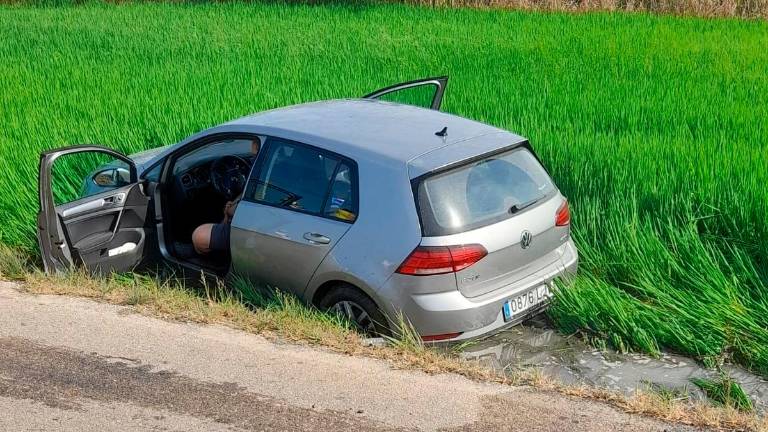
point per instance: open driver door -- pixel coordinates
(100, 225)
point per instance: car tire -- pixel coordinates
(358, 308)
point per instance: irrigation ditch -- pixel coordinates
(570, 360)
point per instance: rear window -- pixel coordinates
(482, 192)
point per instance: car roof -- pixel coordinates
(372, 128)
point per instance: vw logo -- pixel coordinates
(525, 239)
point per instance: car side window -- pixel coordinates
(341, 202)
(292, 176)
(305, 179)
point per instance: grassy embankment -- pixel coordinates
(656, 128)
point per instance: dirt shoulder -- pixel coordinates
(74, 364)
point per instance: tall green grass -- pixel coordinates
(725, 391)
(656, 128)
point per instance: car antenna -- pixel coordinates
(442, 132)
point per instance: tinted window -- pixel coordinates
(341, 203)
(482, 192)
(294, 176)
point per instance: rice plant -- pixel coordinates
(725, 391)
(656, 128)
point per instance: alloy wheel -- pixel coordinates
(355, 314)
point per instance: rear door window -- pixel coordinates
(302, 178)
(482, 192)
(342, 202)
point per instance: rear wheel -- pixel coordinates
(357, 308)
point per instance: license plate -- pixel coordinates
(527, 300)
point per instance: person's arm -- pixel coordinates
(229, 209)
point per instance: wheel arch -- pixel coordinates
(322, 288)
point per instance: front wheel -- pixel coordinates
(357, 308)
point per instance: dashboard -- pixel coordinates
(197, 176)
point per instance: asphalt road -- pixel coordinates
(72, 365)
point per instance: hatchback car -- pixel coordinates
(363, 206)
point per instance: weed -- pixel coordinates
(14, 264)
(404, 335)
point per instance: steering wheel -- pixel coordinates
(228, 175)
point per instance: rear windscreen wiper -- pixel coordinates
(517, 207)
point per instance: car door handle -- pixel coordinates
(94, 205)
(316, 238)
(85, 207)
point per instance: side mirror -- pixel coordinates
(112, 178)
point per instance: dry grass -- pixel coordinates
(653, 404)
(749, 9)
(703, 8)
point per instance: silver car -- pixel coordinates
(363, 206)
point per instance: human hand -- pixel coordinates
(229, 209)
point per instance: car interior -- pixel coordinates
(202, 182)
(292, 176)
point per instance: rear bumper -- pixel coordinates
(452, 312)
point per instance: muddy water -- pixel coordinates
(536, 344)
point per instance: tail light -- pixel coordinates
(563, 215)
(432, 260)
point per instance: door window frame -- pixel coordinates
(170, 160)
(49, 158)
(440, 84)
(51, 230)
(260, 163)
(161, 203)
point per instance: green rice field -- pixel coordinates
(656, 128)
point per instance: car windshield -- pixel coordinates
(482, 192)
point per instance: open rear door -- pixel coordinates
(98, 218)
(427, 93)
